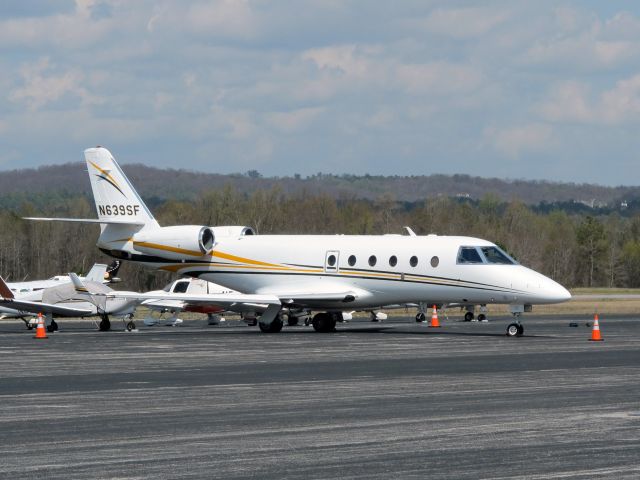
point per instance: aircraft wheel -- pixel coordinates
(482, 317)
(105, 325)
(468, 316)
(420, 317)
(50, 329)
(131, 326)
(292, 321)
(324, 323)
(520, 330)
(29, 326)
(514, 330)
(273, 327)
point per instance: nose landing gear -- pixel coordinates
(515, 329)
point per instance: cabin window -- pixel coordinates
(393, 260)
(413, 261)
(352, 260)
(468, 255)
(372, 260)
(331, 260)
(497, 256)
(435, 261)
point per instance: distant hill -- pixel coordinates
(157, 185)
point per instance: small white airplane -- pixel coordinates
(174, 306)
(327, 274)
(63, 300)
(99, 294)
(98, 273)
(32, 291)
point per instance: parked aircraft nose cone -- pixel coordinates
(555, 293)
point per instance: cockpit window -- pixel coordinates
(181, 287)
(469, 255)
(495, 255)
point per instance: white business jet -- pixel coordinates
(324, 273)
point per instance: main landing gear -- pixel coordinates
(105, 323)
(470, 314)
(274, 327)
(52, 327)
(325, 322)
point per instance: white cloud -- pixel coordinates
(344, 85)
(574, 102)
(294, 121)
(40, 88)
(231, 18)
(438, 78)
(515, 141)
(466, 22)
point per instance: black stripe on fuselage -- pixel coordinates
(481, 286)
(137, 257)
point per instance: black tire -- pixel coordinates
(520, 330)
(420, 317)
(105, 325)
(292, 321)
(513, 330)
(131, 326)
(29, 326)
(273, 327)
(50, 328)
(482, 317)
(324, 323)
(468, 316)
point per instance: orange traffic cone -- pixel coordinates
(41, 332)
(595, 331)
(435, 323)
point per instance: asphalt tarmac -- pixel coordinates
(389, 400)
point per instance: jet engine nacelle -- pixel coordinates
(175, 242)
(232, 231)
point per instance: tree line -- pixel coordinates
(576, 249)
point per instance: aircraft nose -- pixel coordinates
(555, 293)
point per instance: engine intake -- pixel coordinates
(176, 242)
(233, 231)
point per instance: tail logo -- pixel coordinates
(106, 176)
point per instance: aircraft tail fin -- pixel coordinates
(97, 273)
(115, 198)
(5, 291)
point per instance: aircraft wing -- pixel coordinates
(235, 302)
(8, 300)
(44, 308)
(330, 294)
(165, 304)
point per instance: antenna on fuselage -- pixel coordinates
(410, 232)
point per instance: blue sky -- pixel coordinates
(536, 90)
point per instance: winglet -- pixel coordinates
(410, 231)
(5, 291)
